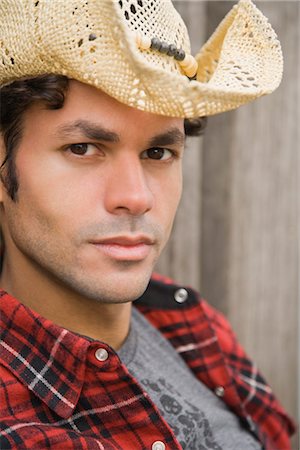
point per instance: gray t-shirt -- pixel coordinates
(198, 418)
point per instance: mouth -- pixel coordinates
(125, 248)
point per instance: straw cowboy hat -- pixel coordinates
(138, 51)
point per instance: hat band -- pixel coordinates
(187, 62)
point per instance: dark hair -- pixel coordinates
(16, 99)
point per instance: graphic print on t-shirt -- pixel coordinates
(199, 419)
(189, 424)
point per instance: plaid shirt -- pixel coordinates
(56, 394)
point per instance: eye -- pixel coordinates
(158, 153)
(82, 149)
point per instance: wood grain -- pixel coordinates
(237, 234)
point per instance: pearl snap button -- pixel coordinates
(181, 295)
(101, 354)
(220, 391)
(158, 445)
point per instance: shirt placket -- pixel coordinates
(120, 406)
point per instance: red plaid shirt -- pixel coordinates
(56, 394)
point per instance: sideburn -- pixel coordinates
(8, 170)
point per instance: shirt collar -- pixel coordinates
(45, 357)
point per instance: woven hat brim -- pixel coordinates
(239, 63)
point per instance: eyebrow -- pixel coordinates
(90, 130)
(96, 132)
(171, 137)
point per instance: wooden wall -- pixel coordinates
(236, 236)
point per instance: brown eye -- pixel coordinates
(83, 149)
(79, 149)
(157, 153)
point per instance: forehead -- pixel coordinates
(86, 103)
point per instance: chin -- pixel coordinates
(113, 287)
(129, 287)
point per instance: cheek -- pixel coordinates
(51, 191)
(167, 196)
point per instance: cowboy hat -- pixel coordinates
(138, 51)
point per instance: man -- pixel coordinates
(96, 99)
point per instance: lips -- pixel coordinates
(125, 248)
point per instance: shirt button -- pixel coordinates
(220, 391)
(158, 445)
(181, 295)
(101, 354)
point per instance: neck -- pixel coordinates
(108, 323)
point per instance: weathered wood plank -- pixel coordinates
(240, 243)
(180, 259)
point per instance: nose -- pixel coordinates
(127, 190)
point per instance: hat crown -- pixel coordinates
(157, 19)
(93, 41)
(52, 30)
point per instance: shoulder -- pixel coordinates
(182, 314)
(205, 339)
(163, 295)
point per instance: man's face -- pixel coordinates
(99, 185)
